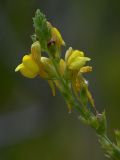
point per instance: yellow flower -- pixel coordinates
(30, 63)
(75, 59)
(56, 36)
(28, 67)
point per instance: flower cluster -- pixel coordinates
(54, 68)
(33, 64)
(67, 75)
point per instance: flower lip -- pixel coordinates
(28, 67)
(18, 67)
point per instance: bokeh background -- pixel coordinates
(33, 124)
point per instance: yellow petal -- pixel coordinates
(18, 67)
(78, 63)
(68, 53)
(27, 73)
(36, 51)
(74, 55)
(56, 36)
(86, 69)
(30, 64)
(42, 72)
(62, 66)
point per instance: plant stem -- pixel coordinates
(110, 148)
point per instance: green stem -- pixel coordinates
(110, 148)
(66, 91)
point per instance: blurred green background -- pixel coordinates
(33, 124)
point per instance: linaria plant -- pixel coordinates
(67, 75)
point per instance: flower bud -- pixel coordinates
(62, 66)
(94, 122)
(28, 67)
(36, 51)
(56, 36)
(47, 67)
